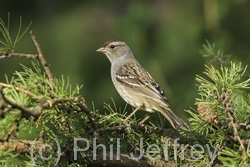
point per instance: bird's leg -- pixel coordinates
(145, 118)
(131, 114)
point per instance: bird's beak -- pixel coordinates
(101, 49)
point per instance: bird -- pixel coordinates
(135, 85)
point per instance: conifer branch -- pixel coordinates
(4, 85)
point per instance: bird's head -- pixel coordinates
(116, 50)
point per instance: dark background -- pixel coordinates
(165, 36)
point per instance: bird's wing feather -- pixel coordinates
(134, 75)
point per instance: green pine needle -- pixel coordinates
(8, 44)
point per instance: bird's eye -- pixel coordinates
(112, 46)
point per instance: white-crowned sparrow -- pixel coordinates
(135, 85)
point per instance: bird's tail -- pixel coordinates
(175, 121)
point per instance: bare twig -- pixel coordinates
(245, 125)
(19, 145)
(235, 130)
(42, 58)
(22, 55)
(221, 60)
(248, 145)
(225, 97)
(50, 103)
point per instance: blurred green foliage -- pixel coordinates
(165, 35)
